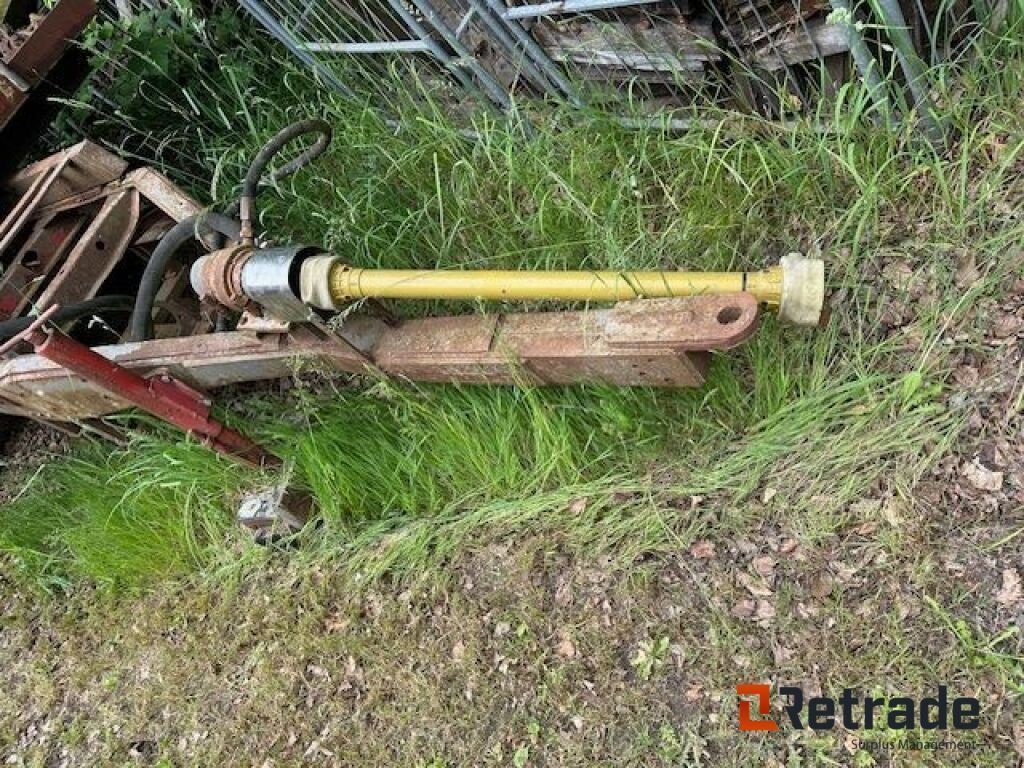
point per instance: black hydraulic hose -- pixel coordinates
(149, 285)
(183, 231)
(11, 328)
(247, 202)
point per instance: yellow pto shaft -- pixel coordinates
(496, 285)
(795, 287)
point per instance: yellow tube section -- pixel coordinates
(796, 287)
(347, 283)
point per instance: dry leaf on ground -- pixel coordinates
(982, 478)
(1010, 591)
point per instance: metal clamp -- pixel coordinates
(270, 278)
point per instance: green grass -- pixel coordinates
(821, 418)
(465, 532)
(151, 511)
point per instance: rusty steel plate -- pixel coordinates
(720, 321)
(162, 192)
(660, 342)
(43, 250)
(42, 49)
(97, 252)
(81, 167)
(439, 339)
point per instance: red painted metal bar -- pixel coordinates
(161, 395)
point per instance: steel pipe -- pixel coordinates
(569, 6)
(382, 46)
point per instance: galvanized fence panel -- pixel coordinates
(633, 58)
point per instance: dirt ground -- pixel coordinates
(521, 653)
(521, 656)
(24, 447)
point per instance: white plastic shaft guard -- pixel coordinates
(803, 290)
(315, 283)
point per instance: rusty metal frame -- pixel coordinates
(665, 342)
(44, 390)
(97, 252)
(40, 51)
(171, 400)
(159, 393)
(84, 209)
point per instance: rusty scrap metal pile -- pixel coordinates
(117, 291)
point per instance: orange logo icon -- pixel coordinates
(763, 693)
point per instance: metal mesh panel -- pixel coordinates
(631, 57)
